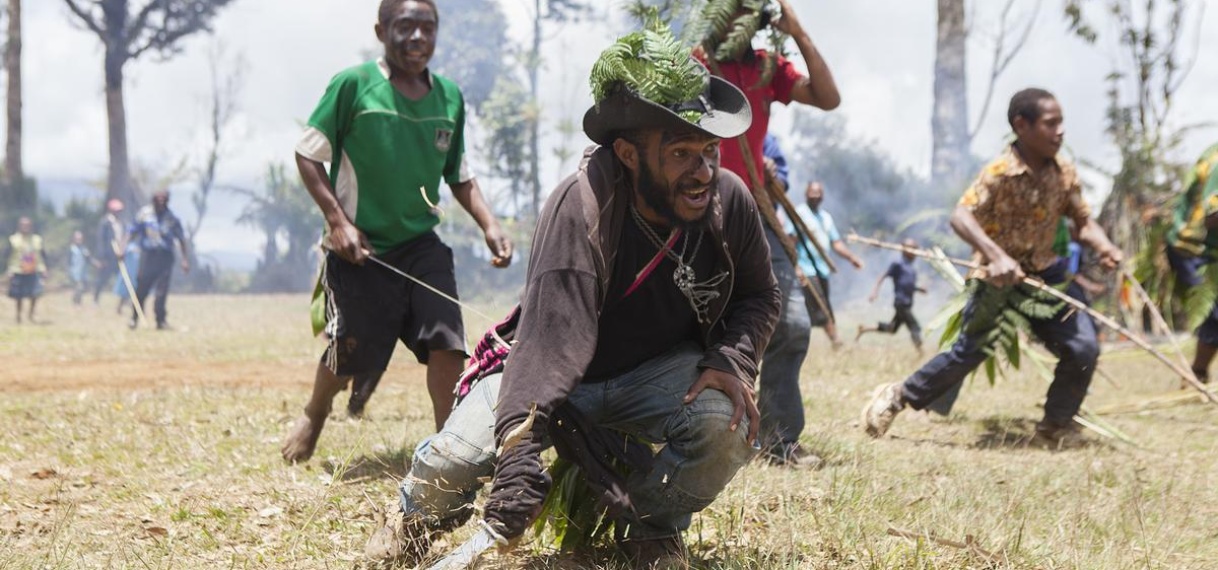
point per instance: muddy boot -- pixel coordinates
(1058, 436)
(362, 387)
(400, 540)
(666, 553)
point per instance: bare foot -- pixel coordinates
(301, 441)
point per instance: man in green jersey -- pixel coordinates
(390, 130)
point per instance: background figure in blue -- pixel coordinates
(131, 262)
(904, 285)
(813, 265)
(79, 260)
(155, 230)
(110, 247)
(780, 402)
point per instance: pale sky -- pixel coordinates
(881, 53)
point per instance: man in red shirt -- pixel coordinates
(788, 84)
(781, 404)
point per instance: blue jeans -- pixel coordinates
(780, 401)
(699, 458)
(1072, 340)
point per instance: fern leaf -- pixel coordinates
(991, 369)
(740, 38)
(1010, 343)
(652, 64)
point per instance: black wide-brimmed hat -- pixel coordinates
(724, 110)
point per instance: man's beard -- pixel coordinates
(660, 197)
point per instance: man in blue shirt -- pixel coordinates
(904, 285)
(155, 230)
(810, 261)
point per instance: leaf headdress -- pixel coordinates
(652, 64)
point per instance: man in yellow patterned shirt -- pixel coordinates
(1192, 243)
(1010, 216)
(27, 266)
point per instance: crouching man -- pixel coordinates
(648, 301)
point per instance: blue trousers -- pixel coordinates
(779, 400)
(700, 455)
(1072, 340)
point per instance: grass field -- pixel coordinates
(145, 449)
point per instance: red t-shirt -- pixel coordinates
(745, 76)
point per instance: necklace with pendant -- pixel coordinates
(698, 294)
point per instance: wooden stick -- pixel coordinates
(969, 544)
(1158, 317)
(1142, 405)
(1182, 372)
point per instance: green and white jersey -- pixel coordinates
(388, 153)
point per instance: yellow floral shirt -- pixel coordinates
(1020, 209)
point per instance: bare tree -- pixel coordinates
(952, 135)
(1004, 53)
(129, 29)
(227, 80)
(544, 11)
(949, 120)
(14, 172)
(1154, 62)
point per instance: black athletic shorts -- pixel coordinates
(369, 308)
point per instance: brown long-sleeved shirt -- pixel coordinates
(574, 249)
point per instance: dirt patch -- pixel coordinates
(38, 375)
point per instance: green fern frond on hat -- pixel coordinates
(652, 64)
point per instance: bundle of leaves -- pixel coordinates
(725, 29)
(571, 518)
(1183, 307)
(998, 316)
(652, 64)
(952, 315)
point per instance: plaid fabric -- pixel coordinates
(490, 354)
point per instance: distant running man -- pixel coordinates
(904, 285)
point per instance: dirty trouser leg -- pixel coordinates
(946, 371)
(906, 316)
(780, 401)
(1074, 342)
(892, 326)
(700, 455)
(445, 471)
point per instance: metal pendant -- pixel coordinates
(683, 276)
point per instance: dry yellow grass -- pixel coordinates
(160, 450)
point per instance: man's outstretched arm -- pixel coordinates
(469, 195)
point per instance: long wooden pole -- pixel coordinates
(1180, 371)
(1156, 315)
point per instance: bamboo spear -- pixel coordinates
(1157, 315)
(126, 277)
(1182, 372)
